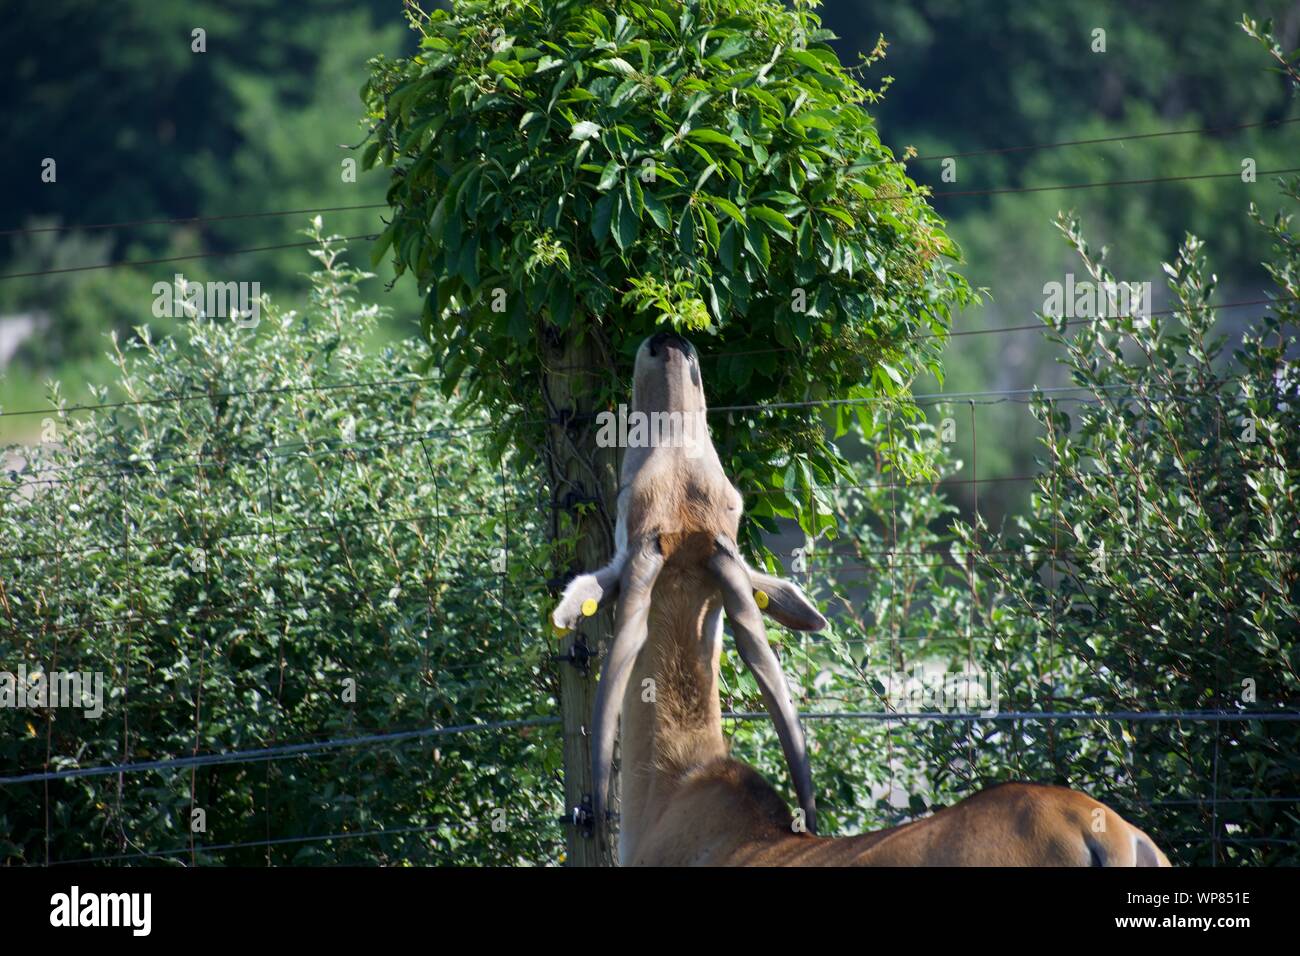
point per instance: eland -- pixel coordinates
(685, 801)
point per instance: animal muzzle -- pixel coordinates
(662, 341)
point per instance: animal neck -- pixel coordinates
(672, 717)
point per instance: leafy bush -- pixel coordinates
(1164, 541)
(1157, 570)
(1196, 592)
(895, 602)
(272, 514)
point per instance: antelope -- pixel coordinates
(685, 801)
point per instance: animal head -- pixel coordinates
(678, 509)
(666, 376)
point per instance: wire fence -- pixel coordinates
(139, 546)
(136, 546)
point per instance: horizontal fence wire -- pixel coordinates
(1037, 555)
(313, 449)
(903, 160)
(187, 220)
(279, 752)
(1154, 392)
(140, 538)
(200, 614)
(1066, 187)
(320, 446)
(465, 825)
(198, 848)
(263, 754)
(1146, 391)
(221, 611)
(217, 395)
(185, 258)
(921, 193)
(1114, 716)
(1121, 138)
(888, 556)
(205, 542)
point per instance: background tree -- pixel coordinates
(1157, 569)
(145, 127)
(973, 77)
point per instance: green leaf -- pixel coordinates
(704, 176)
(710, 227)
(658, 211)
(635, 197)
(686, 233)
(667, 175)
(727, 247)
(727, 206)
(608, 175)
(625, 224)
(382, 245)
(735, 44)
(756, 243)
(601, 217)
(837, 214)
(771, 217)
(714, 137)
(617, 64)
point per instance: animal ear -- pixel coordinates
(785, 602)
(587, 592)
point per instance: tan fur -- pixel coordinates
(685, 801)
(725, 814)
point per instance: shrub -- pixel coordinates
(249, 532)
(1156, 570)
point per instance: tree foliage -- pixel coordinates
(143, 126)
(1166, 529)
(1156, 570)
(565, 169)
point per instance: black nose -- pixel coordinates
(669, 340)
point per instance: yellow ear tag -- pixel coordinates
(589, 607)
(760, 598)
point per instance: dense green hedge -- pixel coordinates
(228, 561)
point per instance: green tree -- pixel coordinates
(971, 77)
(567, 178)
(1156, 569)
(709, 168)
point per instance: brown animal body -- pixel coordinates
(684, 800)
